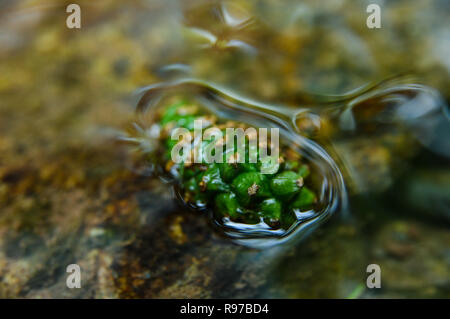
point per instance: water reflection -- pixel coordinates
(229, 31)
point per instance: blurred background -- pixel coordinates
(68, 193)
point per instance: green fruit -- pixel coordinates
(291, 165)
(303, 171)
(227, 205)
(271, 208)
(248, 167)
(287, 219)
(244, 192)
(194, 194)
(191, 185)
(286, 183)
(211, 180)
(228, 171)
(304, 200)
(250, 185)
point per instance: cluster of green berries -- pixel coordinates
(235, 190)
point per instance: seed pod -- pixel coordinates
(286, 183)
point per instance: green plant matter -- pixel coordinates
(235, 190)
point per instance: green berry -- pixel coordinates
(287, 219)
(244, 192)
(211, 180)
(271, 208)
(291, 165)
(191, 185)
(195, 195)
(248, 167)
(227, 205)
(228, 171)
(304, 200)
(303, 171)
(249, 185)
(286, 183)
